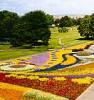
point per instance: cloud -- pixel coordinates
(50, 6)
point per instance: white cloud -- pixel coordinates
(49, 6)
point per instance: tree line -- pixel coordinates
(34, 27)
(31, 28)
(84, 25)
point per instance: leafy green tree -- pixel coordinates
(85, 27)
(50, 19)
(63, 30)
(7, 23)
(92, 25)
(78, 21)
(75, 21)
(31, 28)
(19, 34)
(66, 22)
(57, 22)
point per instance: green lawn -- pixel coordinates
(9, 53)
(69, 39)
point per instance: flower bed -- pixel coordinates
(19, 67)
(66, 88)
(12, 92)
(51, 73)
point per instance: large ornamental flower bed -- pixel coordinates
(59, 72)
(60, 86)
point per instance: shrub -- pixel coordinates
(64, 30)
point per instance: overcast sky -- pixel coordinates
(55, 7)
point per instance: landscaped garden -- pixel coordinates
(61, 72)
(43, 58)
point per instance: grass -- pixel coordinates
(40, 95)
(10, 53)
(69, 38)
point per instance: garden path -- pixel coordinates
(88, 94)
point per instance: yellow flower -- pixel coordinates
(43, 79)
(33, 77)
(86, 80)
(70, 60)
(60, 78)
(13, 87)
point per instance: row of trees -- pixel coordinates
(67, 21)
(31, 28)
(85, 25)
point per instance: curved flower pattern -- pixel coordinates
(48, 72)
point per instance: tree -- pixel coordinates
(50, 19)
(19, 34)
(85, 27)
(66, 22)
(31, 28)
(57, 22)
(7, 23)
(78, 21)
(92, 25)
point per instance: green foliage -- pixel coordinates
(66, 22)
(35, 96)
(70, 38)
(31, 28)
(86, 27)
(92, 25)
(50, 19)
(7, 23)
(57, 22)
(78, 21)
(40, 95)
(64, 30)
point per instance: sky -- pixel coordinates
(55, 7)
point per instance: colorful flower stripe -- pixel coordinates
(12, 92)
(70, 60)
(68, 82)
(40, 59)
(74, 72)
(81, 46)
(47, 60)
(63, 65)
(65, 88)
